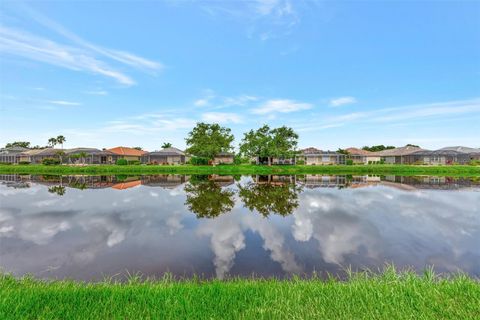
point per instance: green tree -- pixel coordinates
(166, 145)
(343, 151)
(380, 147)
(269, 198)
(61, 140)
(207, 199)
(268, 143)
(82, 155)
(60, 154)
(52, 142)
(59, 190)
(138, 148)
(412, 145)
(22, 144)
(208, 140)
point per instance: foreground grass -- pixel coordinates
(390, 295)
(244, 169)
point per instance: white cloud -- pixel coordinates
(201, 103)
(97, 92)
(64, 103)
(23, 44)
(281, 106)
(221, 117)
(239, 101)
(81, 56)
(337, 102)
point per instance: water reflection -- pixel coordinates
(206, 197)
(271, 194)
(88, 227)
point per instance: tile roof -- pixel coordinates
(402, 151)
(356, 151)
(125, 151)
(167, 152)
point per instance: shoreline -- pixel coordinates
(455, 170)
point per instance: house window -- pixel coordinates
(325, 158)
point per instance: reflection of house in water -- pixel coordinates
(275, 179)
(126, 185)
(363, 181)
(432, 182)
(322, 181)
(168, 181)
(221, 180)
(15, 181)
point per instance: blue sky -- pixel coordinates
(341, 73)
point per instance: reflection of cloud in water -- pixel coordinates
(374, 225)
(227, 238)
(96, 231)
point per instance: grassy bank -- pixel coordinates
(244, 169)
(388, 296)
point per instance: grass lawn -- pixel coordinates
(244, 169)
(390, 295)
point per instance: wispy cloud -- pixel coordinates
(337, 102)
(281, 106)
(206, 98)
(79, 55)
(97, 92)
(222, 117)
(402, 114)
(64, 103)
(265, 19)
(26, 45)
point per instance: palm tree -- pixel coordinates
(52, 142)
(60, 155)
(166, 145)
(61, 139)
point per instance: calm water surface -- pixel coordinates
(89, 228)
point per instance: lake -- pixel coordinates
(93, 227)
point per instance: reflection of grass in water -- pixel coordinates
(247, 169)
(390, 295)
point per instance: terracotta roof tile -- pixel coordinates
(125, 151)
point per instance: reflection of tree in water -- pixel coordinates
(59, 190)
(207, 199)
(269, 198)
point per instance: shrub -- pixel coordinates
(50, 161)
(199, 161)
(24, 162)
(133, 162)
(349, 162)
(474, 162)
(122, 162)
(300, 162)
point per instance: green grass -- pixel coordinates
(390, 295)
(244, 169)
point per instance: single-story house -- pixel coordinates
(10, 155)
(165, 156)
(93, 156)
(37, 155)
(129, 154)
(314, 156)
(444, 156)
(359, 156)
(398, 155)
(224, 158)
